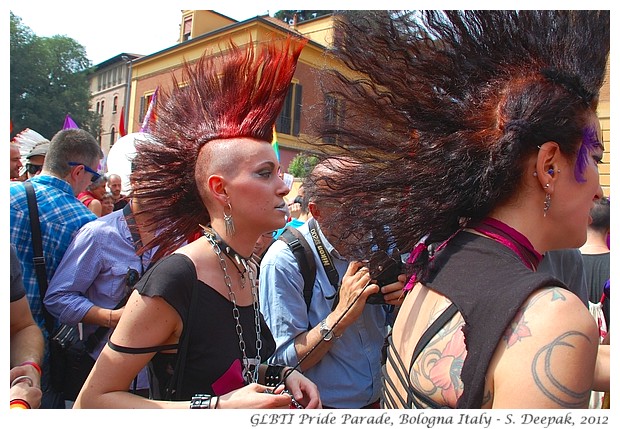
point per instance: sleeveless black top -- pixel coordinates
(214, 362)
(487, 283)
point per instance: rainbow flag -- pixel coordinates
(150, 113)
(274, 143)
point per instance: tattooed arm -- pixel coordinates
(548, 354)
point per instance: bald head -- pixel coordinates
(115, 185)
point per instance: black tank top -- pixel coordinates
(487, 283)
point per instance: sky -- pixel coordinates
(109, 27)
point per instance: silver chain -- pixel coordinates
(251, 377)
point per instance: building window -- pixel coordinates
(102, 105)
(333, 114)
(112, 136)
(145, 102)
(187, 28)
(115, 104)
(288, 121)
(97, 107)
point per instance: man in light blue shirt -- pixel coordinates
(70, 165)
(97, 273)
(340, 345)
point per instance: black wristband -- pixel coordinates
(272, 375)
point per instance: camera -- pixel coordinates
(384, 270)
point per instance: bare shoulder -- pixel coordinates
(155, 319)
(548, 353)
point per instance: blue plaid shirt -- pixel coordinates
(61, 214)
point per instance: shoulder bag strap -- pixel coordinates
(37, 247)
(432, 330)
(305, 259)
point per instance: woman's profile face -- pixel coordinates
(579, 186)
(256, 189)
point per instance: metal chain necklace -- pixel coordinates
(250, 375)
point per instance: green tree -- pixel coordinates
(49, 79)
(302, 164)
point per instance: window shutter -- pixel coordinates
(142, 111)
(297, 112)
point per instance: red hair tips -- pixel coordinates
(238, 92)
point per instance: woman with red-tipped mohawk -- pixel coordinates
(194, 316)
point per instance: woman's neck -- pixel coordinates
(238, 242)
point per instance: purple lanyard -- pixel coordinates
(512, 239)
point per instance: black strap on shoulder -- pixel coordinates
(305, 259)
(37, 247)
(432, 330)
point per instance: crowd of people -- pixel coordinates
(424, 264)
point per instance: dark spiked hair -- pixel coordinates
(238, 93)
(442, 109)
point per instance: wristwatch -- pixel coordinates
(326, 331)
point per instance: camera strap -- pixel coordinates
(325, 257)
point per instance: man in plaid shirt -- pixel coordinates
(70, 165)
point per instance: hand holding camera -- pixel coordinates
(386, 270)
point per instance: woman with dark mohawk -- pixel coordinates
(194, 316)
(477, 146)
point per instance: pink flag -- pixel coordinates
(69, 123)
(150, 113)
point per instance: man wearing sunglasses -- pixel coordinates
(70, 164)
(34, 160)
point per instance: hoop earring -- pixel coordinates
(228, 221)
(547, 204)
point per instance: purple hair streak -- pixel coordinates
(589, 144)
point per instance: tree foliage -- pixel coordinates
(302, 15)
(302, 164)
(49, 79)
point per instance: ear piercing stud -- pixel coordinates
(550, 172)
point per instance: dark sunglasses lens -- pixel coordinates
(33, 169)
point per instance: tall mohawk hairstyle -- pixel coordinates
(442, 108)
(238, 93)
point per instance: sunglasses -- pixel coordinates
(95, 175)
(33, 168)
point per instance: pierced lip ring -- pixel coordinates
(22, 379)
